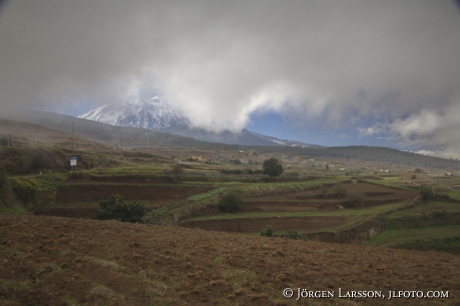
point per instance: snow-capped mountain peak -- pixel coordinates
(156, 114)
(153, 114)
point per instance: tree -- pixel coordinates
(230, 202)
(355, 199)
(341, 191)
(272, 167)
(177, 169)
(116, 208)
(427, 193)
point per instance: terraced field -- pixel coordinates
(312, 212)
(80, 199)
(434, 225)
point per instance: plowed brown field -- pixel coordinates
(245, 225)
(372, 194)
(97, 192)
(63, 261)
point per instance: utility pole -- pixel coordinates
(72, 134)
(121, 142)
(150, 143)
(7, 135)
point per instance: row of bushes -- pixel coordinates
(239, 171)
(6, 194)
(116, 208)
(26, 160)
(268, 232)
(24, 190)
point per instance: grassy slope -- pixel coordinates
(445, 237)
(454, 194)
(347, 212)
(427, 208)
(354, 217)
(396, 237)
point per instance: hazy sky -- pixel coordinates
(346, 72)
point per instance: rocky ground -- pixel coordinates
(64, 261)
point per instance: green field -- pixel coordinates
(427, 208)
(443, 239)
(307, 193)
(397, 237)
(454, 194)
(351, 212)
(434, 225)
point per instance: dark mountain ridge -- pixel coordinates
(140, 138)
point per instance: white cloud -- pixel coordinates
(334, 63)
(436, 131)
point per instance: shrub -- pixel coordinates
(413, 176)
(267, 231)
(293, 235)
(231, 171)
(272, 167)
(440, 214)
(355, 199)
(116, 208)
(291, 174)
(6, 194)
(427, 193)
(341, 191)
(177, 169)
(23, 190)
(4, 141)
(230, 202)
(324, 194)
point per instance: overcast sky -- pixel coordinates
(354, 72)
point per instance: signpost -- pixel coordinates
(73, 163)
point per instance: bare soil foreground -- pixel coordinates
(64, 261)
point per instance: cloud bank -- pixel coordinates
(388, 67)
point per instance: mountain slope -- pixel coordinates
(140, 138)
(155, 114)
(285, 142)
(104, 133)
